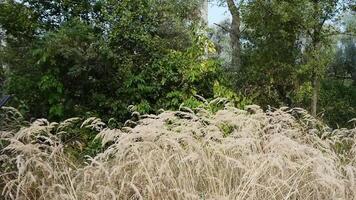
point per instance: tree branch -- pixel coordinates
(224, 28)
(341, 33)
(243, 30)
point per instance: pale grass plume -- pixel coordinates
(188, 154)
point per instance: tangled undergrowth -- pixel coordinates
(187, 154)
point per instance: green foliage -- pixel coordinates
(302, 96)
(78, 138)
(54, 89)
(226, 129)
(338, 102)
(272, 48)
(97, 58)
(2, 78)
(287, 50)
(237, 99)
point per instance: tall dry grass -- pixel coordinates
(231, 154)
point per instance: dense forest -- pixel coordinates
(107, 86)
(67, 58)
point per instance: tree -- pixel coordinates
(235, 34)
(344, 66)
(220, 37)
(204, 11)
(271, 50)
(318, 32)
(66, 58)
(234, 31)
(338, 89)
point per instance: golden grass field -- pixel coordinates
(229, 154)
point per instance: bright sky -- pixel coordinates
(217, 14)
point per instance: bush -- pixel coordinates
(338, 103)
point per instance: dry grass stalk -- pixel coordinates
(232, 154)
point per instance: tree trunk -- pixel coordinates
(353, 75)
(204, 12)
(235, 36)
(314, 103)
(235, 43)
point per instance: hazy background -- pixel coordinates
(217, 14)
